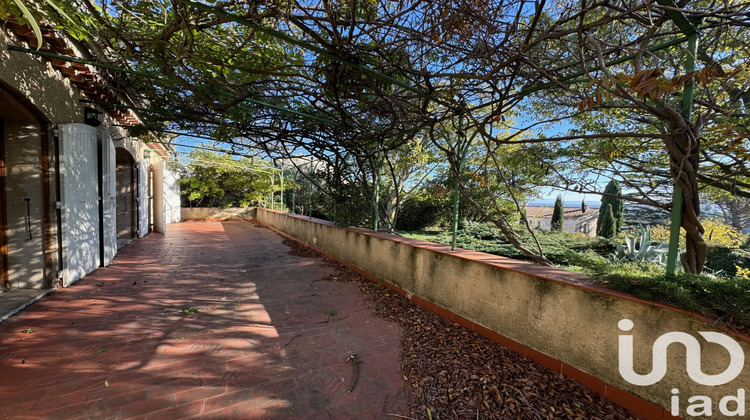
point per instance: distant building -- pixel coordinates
(575, 220)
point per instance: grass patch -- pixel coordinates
(189, 311)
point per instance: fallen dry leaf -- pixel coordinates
(455, 373)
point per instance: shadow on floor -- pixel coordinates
(210, 320)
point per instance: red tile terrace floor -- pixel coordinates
(116, 344)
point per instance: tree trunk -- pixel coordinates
(684, 146)
(734, 211)
(391, 209)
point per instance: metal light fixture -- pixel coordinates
(92, 116)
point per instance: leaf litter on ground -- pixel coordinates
(454, 373)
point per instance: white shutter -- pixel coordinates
(143, 217)
(157, 197)
(172, 204)
(80, 201)
(109, 199)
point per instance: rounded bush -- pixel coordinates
(419, 213)
(727, 259)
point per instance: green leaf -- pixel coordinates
(62, 13)
(31, 21)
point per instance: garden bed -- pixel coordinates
(723, 298)
(455, 373)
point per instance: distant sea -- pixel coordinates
(551, 203)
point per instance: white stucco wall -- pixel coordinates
(44, 89)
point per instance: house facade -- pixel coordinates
(574, 219)
(74, 186)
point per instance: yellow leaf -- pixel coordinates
(106, 383)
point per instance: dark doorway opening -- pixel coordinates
(26, 223)
(127, 210)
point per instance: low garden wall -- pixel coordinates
(215, 213)
(555, 317)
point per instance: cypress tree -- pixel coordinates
(557, 215)
(618, 208)
(606, 225)
(523, 216)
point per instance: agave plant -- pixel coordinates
(642, 248)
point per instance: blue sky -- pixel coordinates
(549, 193)
(569, 199)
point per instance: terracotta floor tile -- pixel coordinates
(124, 340)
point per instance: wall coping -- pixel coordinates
(570, 278)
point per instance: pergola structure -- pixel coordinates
(353, 81)
(503, 97)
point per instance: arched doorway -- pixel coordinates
(127, 210)
(26, 232)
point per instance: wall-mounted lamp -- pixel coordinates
(92, 117)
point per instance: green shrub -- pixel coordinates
(558, 215)
(483, 231)
(418, 213)
(716, 296)
(559, 247)
(607, 225)
(726, 260)
(617, 205)
(580, 260)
